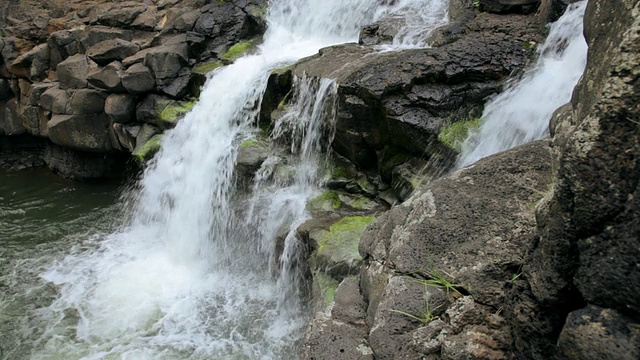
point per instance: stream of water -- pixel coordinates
(179, 269)
(521, 113)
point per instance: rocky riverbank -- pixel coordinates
(99, 80)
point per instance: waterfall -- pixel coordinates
(419, 19)
(521, 113)
(190, 273)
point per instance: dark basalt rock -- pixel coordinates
(111, 50)
(120, 108)
(81, 165)
(138, 79)
(73, 72)
(596, 333)
(108, 78)
(502, 6)
(84, 132)
(10, 122)
(403, 98)
(33, 64)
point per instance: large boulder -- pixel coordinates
(98, 34)
(33, 64)
(55, 100)
(226, 22)
(138, 79)
(169, 66)
(73, 71)
(116, 14)
(595, 333)
(120, 108)
(86, 101)
(112, 50)
(108, 78)
(81, 165)
(181, 19)
(63, 43)
(10, 122)
(85, 132)
(166, 61)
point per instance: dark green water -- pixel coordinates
(42, 217)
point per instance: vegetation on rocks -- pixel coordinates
(207, 67)
(237, 50)
(453, 134)
(343, 237)
(172, 112)
(150, 148)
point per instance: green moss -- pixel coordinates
(207, 67)
(341, 173)
(172, 112)
(146, 151)
(454, 134)
(283, 69)
(238, 50)
(340, 243)
(327, 201)
(249, 143)
(327, 286)
(258, 11)
(360, 202)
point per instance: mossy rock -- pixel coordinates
(324, 289)
(327, 201)
(238, 50)
(337, 252)
(174, 111)
(332, 200)
(207, 67)
(148, 149)
(453, 134)
(253, 143)
(406, 179)
(360, 202)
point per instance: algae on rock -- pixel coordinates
(337, 251)
(148, 149)
(453, 134)
(238, 50)
(173, 111)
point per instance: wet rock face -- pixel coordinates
(437, 268)
(587, 253)
(402, 99)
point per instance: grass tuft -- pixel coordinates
(426, 315)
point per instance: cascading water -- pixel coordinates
(522, 112)
(190, 275)
(418, 21)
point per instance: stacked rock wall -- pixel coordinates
(105, 77)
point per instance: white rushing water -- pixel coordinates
(188, 275)
(522, 112)
(417, 21)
